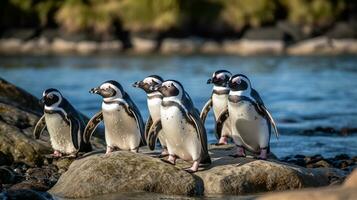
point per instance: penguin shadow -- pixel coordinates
(91, 153)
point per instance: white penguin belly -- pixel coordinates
(249, 126)
(181, 136)
(219, 104)
(60, 133)
(121, 130)
(154, 110)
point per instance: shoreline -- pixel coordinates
(185, 46)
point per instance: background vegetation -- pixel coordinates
(103, 17)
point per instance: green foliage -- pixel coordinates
(240, 13)
(150, 14)
(163, 15)
(313, 12)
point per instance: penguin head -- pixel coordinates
(170, 88)
(148, 83)
(220, 78)
(51, 97)
(109, 90)
(239, 82)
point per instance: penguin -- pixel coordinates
(64, 124)
(124, 126)
(154, 99)
(184, 131)
(251, 122)
(218, 102)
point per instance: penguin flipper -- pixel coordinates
(206, 108)
(271, 120)
(220, 121)
(40, 127)
(148, 125)
(131, 107)
(153, 133)
(262, 108)
(201, 133)
(91, 126)
(75, 131)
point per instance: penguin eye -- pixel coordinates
(50, 96)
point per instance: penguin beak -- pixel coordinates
(95, 91)
(137, 84)
(209, 81)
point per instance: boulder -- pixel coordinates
(264, 33)
(121, 172)
(253, 47)
(330, 193)
(351, 181)
(100, 174)
(342, 30)
(347, 191)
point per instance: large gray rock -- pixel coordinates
(128, 172)
(347, 191)
(121, 172)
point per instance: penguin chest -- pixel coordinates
(121, 129)
(154, 108)
(60, 133)
(181, 136)
(219, 103)
(249, 125)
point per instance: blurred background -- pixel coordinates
(299, 54)
(171, 26)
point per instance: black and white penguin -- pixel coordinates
(154, 99)
(218, 102)
(184, 131)
(251, 121)
(64, 124)
(124, 127)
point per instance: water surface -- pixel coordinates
(302, 93)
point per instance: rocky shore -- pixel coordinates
(25, 171)
(281, 39)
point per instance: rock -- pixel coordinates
(120, 172)
(292, 30)
(252, 47)
(211, 47)
(342, 30)
(10, 94)
(264, 34)
(62, 46)
(183, 46)
(323, 45)
(25, 194)
(351, 180)
(144, 45)
(6, 176)
(110, 46)
(5, 159)
(107, 173)
(22, 34)
(331, 193)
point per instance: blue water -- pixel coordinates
(301, 92)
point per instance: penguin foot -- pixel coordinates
(219, 144)
(167, 161)
(223, 140)
(109, 150)
(263, 154)
(194, 167)
(56, 154)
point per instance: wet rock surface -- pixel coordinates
(101, 174)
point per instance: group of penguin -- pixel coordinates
(239, 114)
